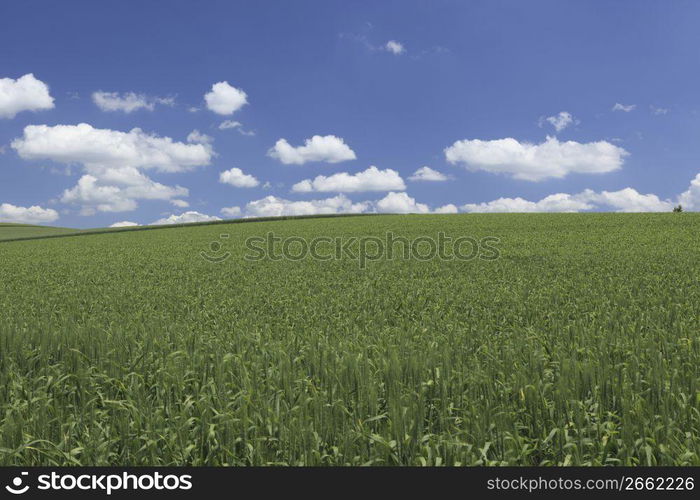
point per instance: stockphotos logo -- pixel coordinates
(18, 487)
(101, 483)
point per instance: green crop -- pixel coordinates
(580, 345)
(21, 231)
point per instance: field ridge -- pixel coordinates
(91, 232)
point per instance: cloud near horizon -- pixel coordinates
(393, 202)
(112, 162)
(26, 215)
(184, 218)
(624, 200)
(124, 223)
(371, 179)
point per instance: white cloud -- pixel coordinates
(117, 191)
(23, 94)
(128, 101)
(560, 121)
(658, 111)
(124, 223)
(624, 200)
(24, 215)
(401, 203)
(690, 199)
(179, 203)
(184, 218)
(112, 161)
(329, 148)
(393, 202)
(272, 206)
(93, 196)
(196, 137)
(99, 148)
(231, 211)
(236, 177)
(229, 124)
(428, 174)
(225, 99)
(560, 202)
(395, 47)
(624, 107)
(535, 162)
(446, 209)
(371, 179)
(627, 200)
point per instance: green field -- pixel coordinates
(580, 345)
(19, 231)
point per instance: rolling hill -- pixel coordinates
(564, 339)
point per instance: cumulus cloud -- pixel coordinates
(624, 200)
(224, 99)
(23, 94)
(26, 215)
(99, 148)
(272, 206)
(560, 202)
(128, 101)
(112, 161)
(179, 203)
(535, 162)
(690, 199)
(395, 47)
(626, 108)
(124, 223)
(401, 203)
(371, 179)
(117, 191)
(236, 177)
(329, 148)
(627, 200)
(428, 174)
(559, 121)
(184, 218)
(393, 202)
(446, 209)
(93, 196)
(231, 211)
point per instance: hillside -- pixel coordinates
(576, 342)
(14, 231)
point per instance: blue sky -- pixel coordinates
(466, 89)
